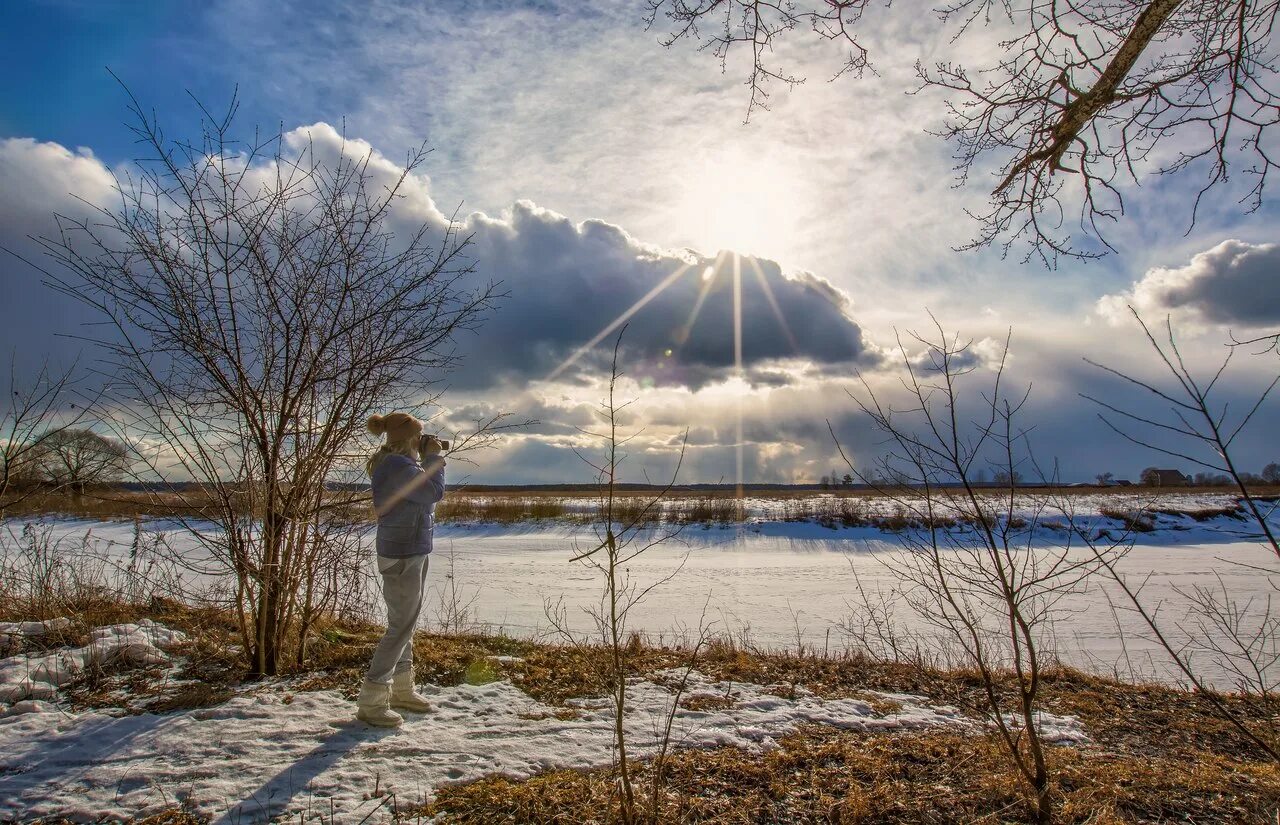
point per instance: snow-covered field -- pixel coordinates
(777, 583)
(271, 750)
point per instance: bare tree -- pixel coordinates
(1082, 98)
(30, 413)
(78, 458)
(260, 308)
(973, 567)
(622, 537)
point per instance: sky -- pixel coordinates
(592, 165)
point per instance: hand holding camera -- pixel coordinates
(430, 445)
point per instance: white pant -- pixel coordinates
(404, 587)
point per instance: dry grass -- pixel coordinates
(835, 508)
(502, 510)
(208, 664)
(176, 815)
(1204, 513)
(1135, 521)
(1157, 754)
(825, 775)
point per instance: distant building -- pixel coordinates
(1156, 477)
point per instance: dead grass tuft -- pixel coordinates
(1136, 521)
(824, 775)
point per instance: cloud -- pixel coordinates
(1234, 283)
(566, 281)
(38, 179)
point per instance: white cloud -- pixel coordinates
(1235, 283)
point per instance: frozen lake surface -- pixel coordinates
(776, 588)
(775, 584)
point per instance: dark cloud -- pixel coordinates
(567, 282)
(1232, 283)
(37, 180)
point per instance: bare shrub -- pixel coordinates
(259, 309)
(1237, 634)
(992, 589)
(622, 537)
(456, 612)
(874, 628)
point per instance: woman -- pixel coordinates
(407, 474)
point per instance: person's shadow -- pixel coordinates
(273, 796)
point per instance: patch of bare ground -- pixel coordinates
(824, 775)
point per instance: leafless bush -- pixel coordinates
(621, 537)
(1198, 427)
(874, 628)
(456, 612)
(260, 308)
(1237, 634)
(991, 587)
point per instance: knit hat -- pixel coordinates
(397, 426)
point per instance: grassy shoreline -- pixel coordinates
(835, 508)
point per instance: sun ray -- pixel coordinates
(773, 302)
(619, 321)
(708, 281)
(737, 367)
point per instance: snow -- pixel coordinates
(39, 676)
(278, 753)
(773, 583)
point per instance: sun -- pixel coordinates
(739, 200)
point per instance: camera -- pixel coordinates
(430, 444)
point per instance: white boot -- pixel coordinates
(372, 706)
(403, 695)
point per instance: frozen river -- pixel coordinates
(777, 583)
(776, 589)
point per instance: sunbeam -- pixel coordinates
(773, 303)
(737, 363)
(708, 281)
(619, 321)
